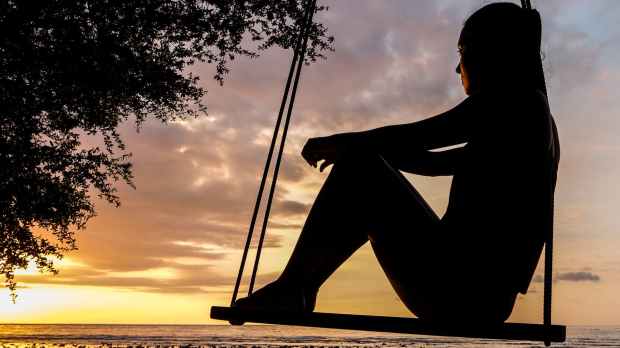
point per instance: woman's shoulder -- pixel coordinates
(513, 115)
(519, 98)
(515, 106)
(509, 113)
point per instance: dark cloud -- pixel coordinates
(578, 277)
(581, 276)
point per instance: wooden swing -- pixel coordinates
(545, 332)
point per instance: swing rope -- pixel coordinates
(548, 269)
(300, 63)
(296, 64)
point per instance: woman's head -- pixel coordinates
(500, 48)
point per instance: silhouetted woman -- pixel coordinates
(476, 258)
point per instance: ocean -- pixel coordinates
(258, 336)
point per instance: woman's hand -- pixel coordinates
(321, 148)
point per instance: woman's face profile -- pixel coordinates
(461, 70)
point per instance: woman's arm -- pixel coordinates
(449, 128)
(430, 163)
(403, 145)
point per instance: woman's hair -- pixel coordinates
(501, 46)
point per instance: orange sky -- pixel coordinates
(172, 249)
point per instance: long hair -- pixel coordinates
(501, 47)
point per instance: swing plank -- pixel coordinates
(505, 331)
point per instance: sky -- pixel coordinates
(173, 248)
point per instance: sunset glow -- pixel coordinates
(172, 250)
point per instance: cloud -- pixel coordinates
(291, 207)
(394, 63)
(186, 279)
(197, 179)
(581, 276)
(578, 277)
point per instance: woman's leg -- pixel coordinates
(363, 198)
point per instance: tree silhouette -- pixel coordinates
(75, 68)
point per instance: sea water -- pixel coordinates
(260, 336)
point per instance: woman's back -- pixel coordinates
(500, 200)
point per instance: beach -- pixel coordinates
(259, 336)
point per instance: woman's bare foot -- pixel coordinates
(281, 297)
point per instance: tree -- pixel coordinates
(75, 68)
